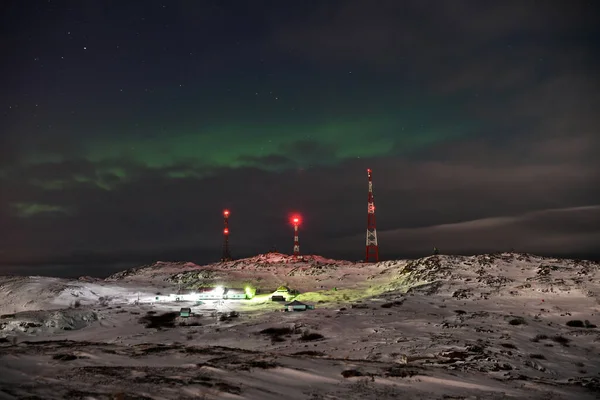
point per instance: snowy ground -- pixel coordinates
(442, 327)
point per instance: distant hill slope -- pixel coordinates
(270, 269)
(463, 277)
(503, 274)
(31, 293)
(264, 262)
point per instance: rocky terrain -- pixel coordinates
(442, 327)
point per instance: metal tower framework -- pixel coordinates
(226, 254)
(372, 251)
(296, 222)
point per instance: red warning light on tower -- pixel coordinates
(226, 231)
(226, 213)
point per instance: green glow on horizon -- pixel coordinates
(228, 146)
(100, 178)
(195, 153)
(27, 210)
(57, 184)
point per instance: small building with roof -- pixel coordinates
(235, 294)
(283, 293)
(185, 312)
(282, 289)
(298, 306)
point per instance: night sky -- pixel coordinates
(126, 127)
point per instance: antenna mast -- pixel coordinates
(296, 222)
(372, 253)
(226, 254)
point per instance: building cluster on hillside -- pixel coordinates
(216, 293)
(219, 293)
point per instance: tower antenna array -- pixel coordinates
(226, 254)
(296, 222)
(372, 253)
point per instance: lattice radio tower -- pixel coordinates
(296, 222)
(372, 253)
(226, 254)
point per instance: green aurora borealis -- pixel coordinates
(196, 149)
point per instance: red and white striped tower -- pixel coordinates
(226, 254)
(296, 222)
(372, 253)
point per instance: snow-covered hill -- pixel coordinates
(501, 274)
(490, 326)
(31, 293)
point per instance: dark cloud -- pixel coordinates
(55, 171)
(310, 152)
(9, 152)
(272, 161)
(390, 33)
(560, 232)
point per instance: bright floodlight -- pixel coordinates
(219, 289)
